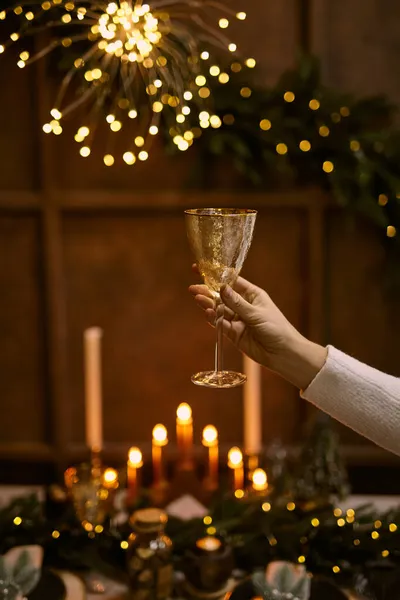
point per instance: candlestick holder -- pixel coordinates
(252, 462)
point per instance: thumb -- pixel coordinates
(237, 303)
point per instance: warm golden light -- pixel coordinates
(314, 104)
(245, 92)
(290, 506)
(265, 124)
(235, 458)
(210, 435)
(392, 527)
(135, 457)
(116, 126)
(160, 435)
(289, 97)
(129, 45)
(375, 535)
(281, 149)
(129, 158)
(110, 478)
(328, 166)
(108, 160)
(324, 131)
(305, 146)
(260, 480)
(215, 121)
(209, 544)
(266, 506)
(184, 413)
(84, 151)
(391, 231)
(301, 559)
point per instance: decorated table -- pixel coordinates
(252, 523)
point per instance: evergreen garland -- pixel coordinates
(342, 546)
(300, 132)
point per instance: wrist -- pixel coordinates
(299, 361)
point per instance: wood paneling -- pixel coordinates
(82, 244)
(18, 130)
(22, 379)
(358, 44)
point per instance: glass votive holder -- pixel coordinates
(208, 564)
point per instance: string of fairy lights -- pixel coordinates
(138, 64)
(324, 131)
(342, 518)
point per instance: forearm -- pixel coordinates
(299, 362)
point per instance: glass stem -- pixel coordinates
(219, 309)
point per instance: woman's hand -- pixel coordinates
(259, 329)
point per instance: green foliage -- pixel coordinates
(257, 537)
(358, 137)
(321, 474)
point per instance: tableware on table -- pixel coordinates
(220, 239)
(92, 498)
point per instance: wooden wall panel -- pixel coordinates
(18, 126)
(362, 320)
(22, 371)
(358, 43)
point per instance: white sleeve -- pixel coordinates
(360, 397)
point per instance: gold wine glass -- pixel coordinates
(220, 239)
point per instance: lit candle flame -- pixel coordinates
(210, 435)
(210, 544)
(135, 457)
(184, 413)
(235, 458)
(160, 435)
(260, 480)
(110, 478)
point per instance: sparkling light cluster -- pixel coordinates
(138, 65)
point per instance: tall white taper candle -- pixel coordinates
(93, 396)
(252, 407)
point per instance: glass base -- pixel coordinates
(219, 379)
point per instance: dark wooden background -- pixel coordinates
(83, 245)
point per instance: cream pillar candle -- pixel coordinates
(93, 393)
(252, 407)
